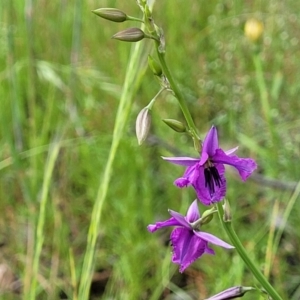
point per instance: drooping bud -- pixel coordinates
(142, 124)
(231, 293)
(111, 14)
(130, 35)
(253, 29)
(175, 125)
(154, 66)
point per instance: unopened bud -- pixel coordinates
(175, 125)
(130, 35)
(231, 293)
(142, 124)
(253, 29)
(227, 211)
(111, 14)
(208, 215)
(154, 66)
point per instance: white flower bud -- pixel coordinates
(142, 125)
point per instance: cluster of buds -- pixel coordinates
(132, 34)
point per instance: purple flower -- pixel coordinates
(206, 174)
(188, 243)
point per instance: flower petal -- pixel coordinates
(181, 220)
(158, 225)
(186, 247)
(212, 239)
(204, 193)
(193, 212)
(245, 166)
(182, 161)
(182, 182)
(190, 175)
(209, 250)
(211, 143)
(230, 151)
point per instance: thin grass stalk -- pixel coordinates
(73, 274)
(167, 272)
(74, 57)
(39, 238)
(133, 77)
(17, 143)
(269, 252)
(31, 83)
(283, 221)
(15, 140)
(265, 104)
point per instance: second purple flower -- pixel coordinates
(188, 242)
(206, 174)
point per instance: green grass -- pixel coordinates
(61, 79)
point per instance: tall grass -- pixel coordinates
(61, 92)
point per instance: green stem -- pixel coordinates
(243, 254)
(178, 94)
(40, 229)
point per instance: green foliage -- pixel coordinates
(60, 84)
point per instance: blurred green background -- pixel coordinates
(61, 77)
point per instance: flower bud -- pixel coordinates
(142, 124)
(231, 293)
(175, 125)
(227, 211)
(130, 35)
(111, 14)
(154, 66)
(253, 29)
(207, 215)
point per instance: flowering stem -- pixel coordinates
(178, 93)
(243, 254)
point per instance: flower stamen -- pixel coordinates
(212, 178)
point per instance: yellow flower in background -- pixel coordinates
(253, 29)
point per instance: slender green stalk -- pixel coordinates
(73, 273)
(74, 58)
(288, 209)
(270, 244)
(178, 93)
(17, 141)
(52, 156)
(265, 103)
(130, 84)
(31, 87)
(243, 254)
